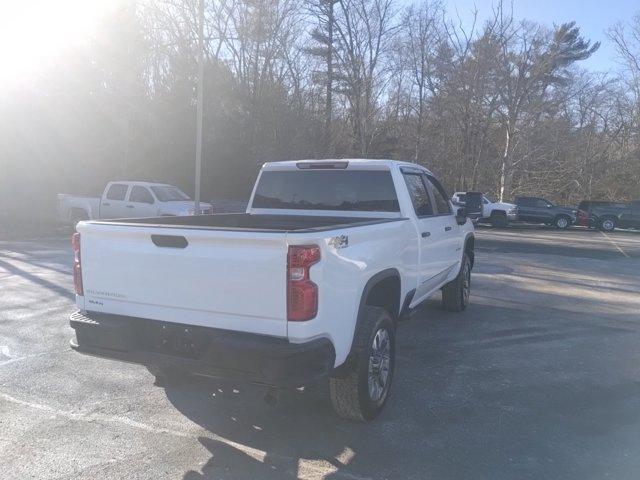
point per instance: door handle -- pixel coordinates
(426, 234)
(105, 204)
(130, 206)
(169, 241)
(446, 229)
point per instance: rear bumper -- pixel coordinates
(203, 351)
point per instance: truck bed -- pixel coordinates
(218, 271)
(253, 222)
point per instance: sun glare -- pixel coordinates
(35, 34)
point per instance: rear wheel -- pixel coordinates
(562, 222)
(360, 391)
(498, 220)
(608, 224)
(455, 294)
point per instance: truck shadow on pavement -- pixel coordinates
(476, 395)
(299, 437)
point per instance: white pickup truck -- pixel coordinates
(128, 200)
(308, 283)
(499, 214)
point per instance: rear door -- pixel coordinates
(536, 211)
(431, 230)
(141, 202)
(526, 209)
(113, 204)
(452, 240)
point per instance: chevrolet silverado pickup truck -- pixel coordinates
(128, 200)
(308, 283)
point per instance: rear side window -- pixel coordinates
(418, 193)
(140, 195)
(439, 196)
(342, 190)
(583, 206)
(117, 191)
(526, 201)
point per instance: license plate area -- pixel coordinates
(174, 339)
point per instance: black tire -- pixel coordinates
(608, 224)
(455, 294)
(498, 219)
(353, 394)
(562, 222)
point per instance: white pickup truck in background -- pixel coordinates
(499, 214)
(309, 283)
(128, 200)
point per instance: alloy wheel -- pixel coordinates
(379, 363)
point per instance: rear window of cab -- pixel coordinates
(341, 190)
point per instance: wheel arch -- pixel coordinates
(383, 290)
(74, 212)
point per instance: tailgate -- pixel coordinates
(220, 279)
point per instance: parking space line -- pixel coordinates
(614, 244)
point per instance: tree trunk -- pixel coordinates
(418, 146)
(506, 172)
(329, 100)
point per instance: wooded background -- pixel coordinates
(501, 106)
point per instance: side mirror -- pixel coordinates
(461, 216)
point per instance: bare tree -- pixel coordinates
(365, 30)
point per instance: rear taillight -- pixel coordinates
(302, 293)
(77, 268)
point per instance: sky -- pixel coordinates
(593, 17)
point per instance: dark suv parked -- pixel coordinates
(539, 210)
(609, 215)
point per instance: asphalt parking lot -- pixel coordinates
(539, 378)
